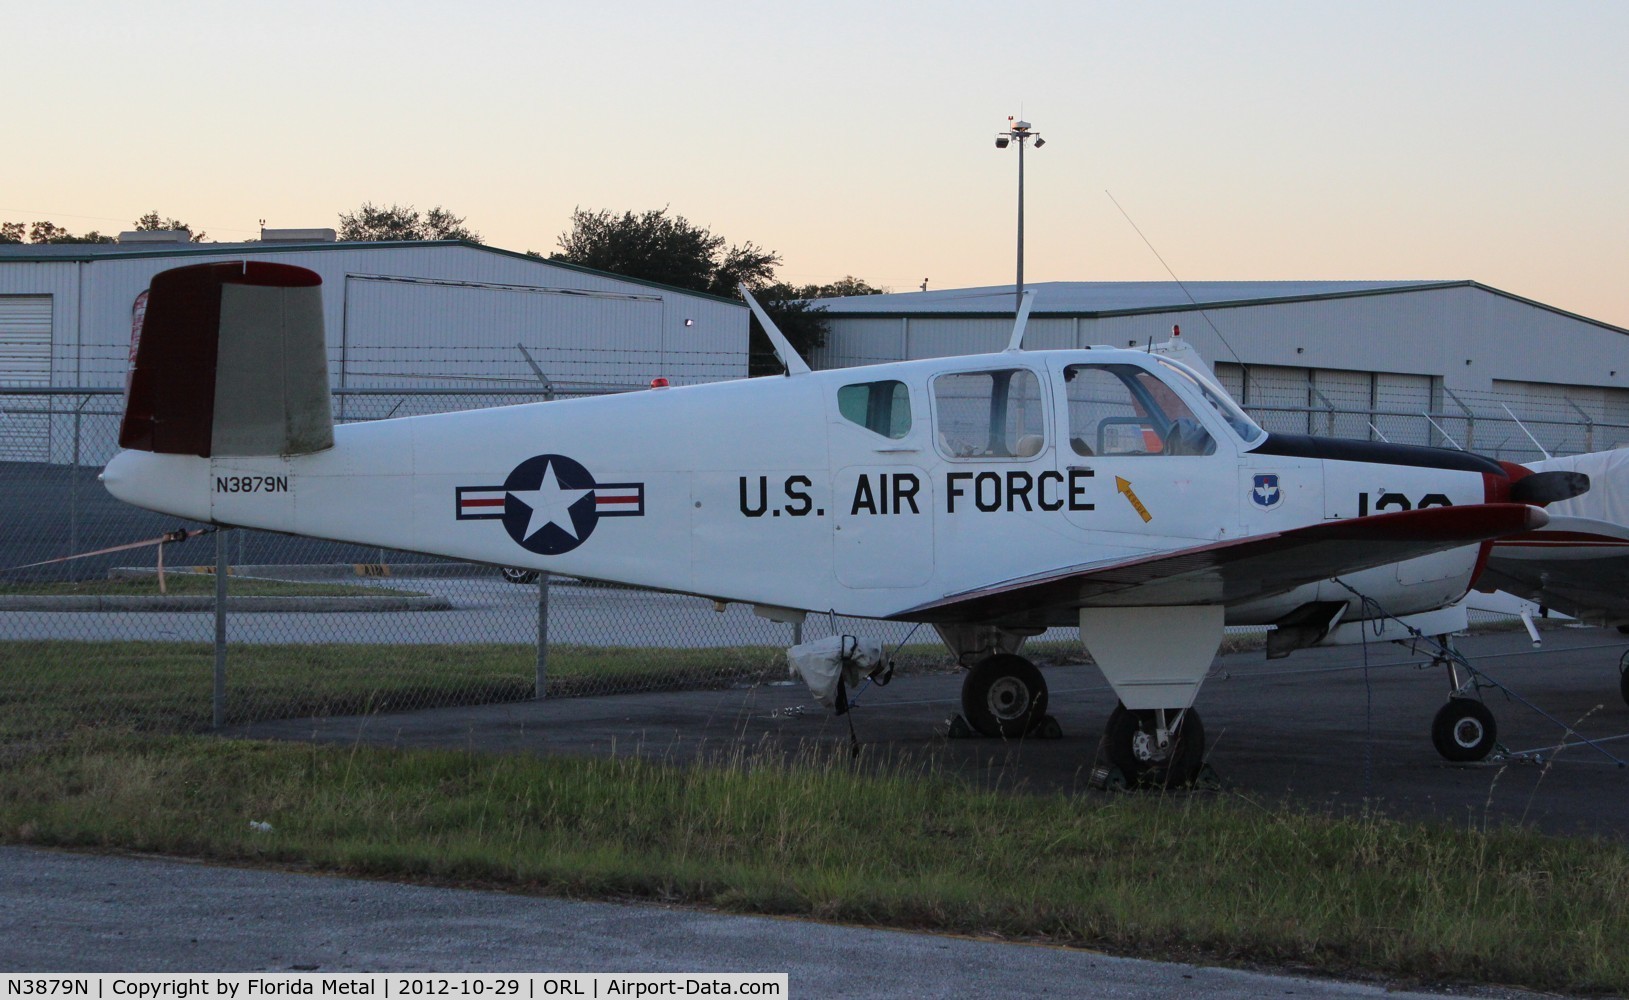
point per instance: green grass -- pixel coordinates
(1194, 877)
(52, 686)
(178, 584)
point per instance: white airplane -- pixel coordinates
(1578, 563)
(992, 496)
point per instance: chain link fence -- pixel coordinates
(1520, 422)
(127, 636)
(131, 637)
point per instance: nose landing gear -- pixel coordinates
(1464, 730)
(1155, 747)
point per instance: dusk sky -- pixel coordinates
(1483, 140)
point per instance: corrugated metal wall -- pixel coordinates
(418, 332)
(695, 338)
(408, 315)
(855, 342)
(1431, 332)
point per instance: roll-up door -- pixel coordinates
(25, 340)
(25, 360)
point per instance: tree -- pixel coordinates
(403, 222)
(842, 287)
(152, 223)
(50, 232)
(47, 232)
(666, 249)
(671, 250)
(747, 264)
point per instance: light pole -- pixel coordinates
(1020, 133)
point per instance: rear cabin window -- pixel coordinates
(883, 407)
(991, 414)
(1125, 410)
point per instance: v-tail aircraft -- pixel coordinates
(991, 496)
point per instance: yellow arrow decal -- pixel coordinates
(1124, 486)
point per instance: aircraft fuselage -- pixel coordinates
(864, 491)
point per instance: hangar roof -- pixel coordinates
(57, 253)
(1128, 298)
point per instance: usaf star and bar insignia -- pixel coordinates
(549, 504)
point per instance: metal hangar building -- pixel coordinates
(1422, 362)
(428, 316)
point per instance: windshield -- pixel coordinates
(1225, 408)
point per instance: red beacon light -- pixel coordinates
(659, 382)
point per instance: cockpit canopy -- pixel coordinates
(1135, 406)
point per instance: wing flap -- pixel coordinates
(1238, 570)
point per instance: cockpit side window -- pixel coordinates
(989, 414)
(881, 407)
(1127, 410)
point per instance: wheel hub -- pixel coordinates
(1008, 698)
(1468, 733)
(1146, 748)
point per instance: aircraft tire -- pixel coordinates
(1129, 743)
(1004, 695)
(516, 575)
(1623, 678)
(1464, 730)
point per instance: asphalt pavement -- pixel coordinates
(63, 912)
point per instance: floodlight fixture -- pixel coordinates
(1019, 130)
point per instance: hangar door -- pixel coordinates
(447, 334)
(1402, 402)
(25, 360)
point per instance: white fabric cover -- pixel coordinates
(1608, 496)
(823, 662)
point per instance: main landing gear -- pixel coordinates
(1162, 748)
(1004, 695)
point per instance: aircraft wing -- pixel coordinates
(1234, 571)
(1577, 565)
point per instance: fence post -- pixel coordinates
(1329, 413)
(220, 628)
(1589, 426)
(541, 684)
(1470, 419)
(73, 481)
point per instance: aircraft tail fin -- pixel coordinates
(230, 359)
